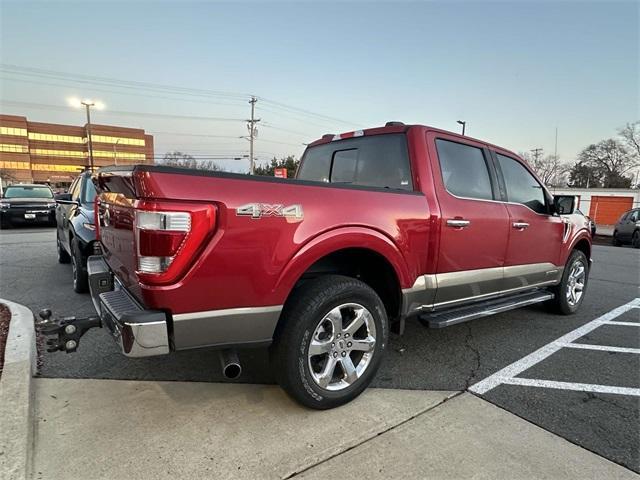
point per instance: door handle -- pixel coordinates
(520, 225)
(458, 223)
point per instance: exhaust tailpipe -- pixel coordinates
(231, 367)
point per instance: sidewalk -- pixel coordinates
(105, 429)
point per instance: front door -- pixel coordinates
(474, 226)
(535, 235)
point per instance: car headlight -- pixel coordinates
(89, 226)
(51, 205)
(4, 206)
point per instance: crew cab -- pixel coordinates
(379, 225)
(75, 228)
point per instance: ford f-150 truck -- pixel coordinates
(379, 225)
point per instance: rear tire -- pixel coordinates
(330, 341)
(80, 277)
(63, 256)
(615, 241)
(573, 286)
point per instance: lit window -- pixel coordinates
(56, 167)
(12, 148)
(55, 138)
(119, 155)
(57, 153)
(119, 140)
(18, 132)
(14, 165)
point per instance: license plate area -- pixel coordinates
(29, 216)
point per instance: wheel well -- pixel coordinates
(365, 265)
(584, 247)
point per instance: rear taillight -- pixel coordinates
(167, 240)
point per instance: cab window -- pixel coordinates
(380, 161)
(464, 170)
(522, 187)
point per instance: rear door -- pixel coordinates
(474, 225)
(535, 235)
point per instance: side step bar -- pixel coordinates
(446, 318)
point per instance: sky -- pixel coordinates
(513, 70)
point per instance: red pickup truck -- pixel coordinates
(379, 225)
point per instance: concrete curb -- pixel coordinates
(16, 393)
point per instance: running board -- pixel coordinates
(446, 318)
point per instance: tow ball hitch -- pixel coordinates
(67, 330)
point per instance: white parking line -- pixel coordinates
(603, 348)
(579, 387)
(508, 373)
(628, 324)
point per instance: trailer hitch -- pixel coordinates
(67, 330)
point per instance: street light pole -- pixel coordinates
(88, 104)
(115, 156)
(464, 124)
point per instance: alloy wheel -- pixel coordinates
(576, 283)
(342, 346)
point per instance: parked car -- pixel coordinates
(75, 229)
(27, 204)
(379, 225)
(627, 230)
(592, 224)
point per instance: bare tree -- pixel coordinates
(549, 168)
(630, 135)
(613, 159)
(183, 160)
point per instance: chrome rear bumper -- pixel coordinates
(139, 332)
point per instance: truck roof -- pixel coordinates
(399, 127)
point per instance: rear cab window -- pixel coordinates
(380, 161)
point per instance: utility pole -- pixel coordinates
(251, 125)
(537, 153)
(555, 150)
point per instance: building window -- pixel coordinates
(46, 137)
(18, 132)
(56, 167)
(57, 153)
(119, 140)
(119, 155)
(15, 165)
(12, 148)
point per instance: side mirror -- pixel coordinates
(62, 197)
(564, 204)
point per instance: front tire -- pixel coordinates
(635, 239)
(330, 341)
(80, 277)
(63, 256)
(570, 293)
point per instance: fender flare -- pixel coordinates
(582, 235)
(339, 239)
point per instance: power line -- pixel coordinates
(122, 113)
(130, 84)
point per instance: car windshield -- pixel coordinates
(28, 192)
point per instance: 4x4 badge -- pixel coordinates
(259, 210)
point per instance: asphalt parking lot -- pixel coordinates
(554, 390)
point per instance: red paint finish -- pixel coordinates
(245, 258)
